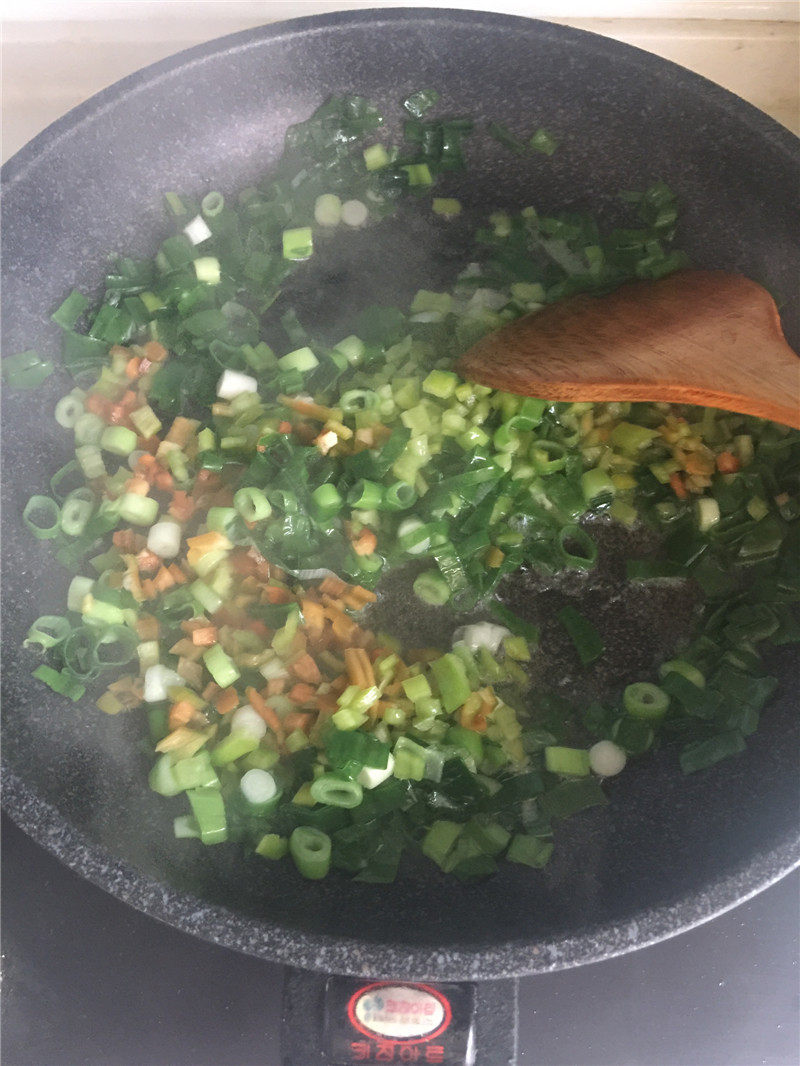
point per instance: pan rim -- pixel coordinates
(329, 953)
(326, 952)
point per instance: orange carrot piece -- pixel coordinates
(181, 713)
(305, 669)
(275, 594)
(205, 637)
(275, 686)
(133, 367)
(147, 560)
(138, 485)
(728, 463)
(298, 720)
(227, 700)
(258, 704)
(177, 574)
(313, 617)
(301, 693)
(182, 506)
(98, 405)
(163, 580)
(678, 486)
(365, 543)
(333, 585)
(155, 352)
(147, 627)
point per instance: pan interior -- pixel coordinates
(216, 119)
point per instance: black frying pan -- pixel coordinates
(668, 852)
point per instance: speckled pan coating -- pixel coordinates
(666, 853)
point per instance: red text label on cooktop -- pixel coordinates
(398, 1021)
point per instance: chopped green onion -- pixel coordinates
(298, 244)
(68, 313)
(76, 511)
(445, 206)
(336, 791)
(26, 370)
(311, 851)
(432, 589)
(529, 850)
(208, 809)
(588, 642)
(138, 510)
(118, 440)
(328, 210)
(543, 142)
(221, 667)
(48, 631)
(252, 504)
(42, 517)
(643, 700)
(62, 682)
(571, 762)
(272, 846)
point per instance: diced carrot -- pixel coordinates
(275, 594)
(227, 700)
(163, 580)
(362, 594)
(275, 686)
(208, 542)
(728, 463)
(206, 636)
(365, 543)
(98, 405)
(267, 713)
(147, 627)
(313, 616)
(678, 486)
(301, 693)
(306, 669)
(163, 480)
(333, 585)
(147, 560)
(177, 574)
(181, 430)
(698, 464)
(185, 648)
(308, 408)
(148, 589)
(155, 352)
(138, 485)
(359, 667)
(182, 507)
(133, 367)
(298, 720)
(146, 466)
(181, 713)
(148, 444)
(284, 427)
(126, 540)
(478, 723)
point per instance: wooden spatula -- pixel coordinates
(697, 336)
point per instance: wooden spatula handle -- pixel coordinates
(699, 337)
